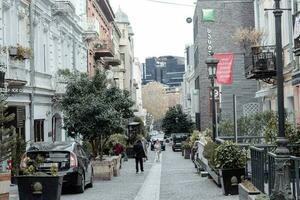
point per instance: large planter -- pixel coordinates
(103, 170)
(4, 185)
(244, 192)
(187, 153)
(39, 187)
(230, 178)
(117, 165)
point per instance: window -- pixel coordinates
(197, 85)
(39, 130)
(122, 58)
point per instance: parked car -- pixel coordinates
(162, 143)
(70, 158)
(177, 139)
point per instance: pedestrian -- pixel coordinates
(139, 154)
(145, 146)
(118, 150)
(157, 148)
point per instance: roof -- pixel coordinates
(121, 17)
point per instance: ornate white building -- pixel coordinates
(54, 35)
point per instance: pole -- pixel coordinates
(235, 119)
(213, 108)
(282, 183)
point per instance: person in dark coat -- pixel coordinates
(139, 155)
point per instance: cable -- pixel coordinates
(170, 3)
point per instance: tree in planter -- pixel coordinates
(7, 135)
(94, 111)
(176, 121)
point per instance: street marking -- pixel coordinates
(150, 189)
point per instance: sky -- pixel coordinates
(159, 29)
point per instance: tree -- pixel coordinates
(7, 134)
(94, 111)
(176, 121)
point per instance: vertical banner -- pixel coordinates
(224, 68)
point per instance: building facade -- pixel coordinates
(221, 41)
(51, 35)
(189, 93)
(267, 93)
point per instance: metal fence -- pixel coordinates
(258, 167)
(271, 171)
(295, 177)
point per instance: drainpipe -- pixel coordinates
(32, 72)
(290, 29)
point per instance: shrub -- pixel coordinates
(229, 156)
(209, 152)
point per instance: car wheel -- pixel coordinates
(80, 188)
(90, 185)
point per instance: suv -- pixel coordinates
(178, 138)
(70, 158)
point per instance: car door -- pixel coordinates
(86, 163)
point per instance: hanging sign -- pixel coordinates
(224, 68)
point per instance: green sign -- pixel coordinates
(208, 15)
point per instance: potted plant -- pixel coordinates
(23, 52)
(7, 145)
(246, 188)
(186, 146)
(230, 159)
(39, 185)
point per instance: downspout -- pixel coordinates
(290, 24)
(32, 72)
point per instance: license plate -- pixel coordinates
(48, 165)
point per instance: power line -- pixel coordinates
(170, 3)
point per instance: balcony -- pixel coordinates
(17, 73)
(91, 28)
(260, 64)
(296, 19)
(104, 48)
(63, 7)
(113, 61)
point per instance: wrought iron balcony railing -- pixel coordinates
(260, 64)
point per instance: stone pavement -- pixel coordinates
(174, 178)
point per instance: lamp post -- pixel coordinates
(281, 189)
(212, 69)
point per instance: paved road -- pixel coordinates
(174, 178)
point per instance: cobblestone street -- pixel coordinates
(173, 179)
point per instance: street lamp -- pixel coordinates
(212, 69)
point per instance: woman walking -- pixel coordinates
(157, 148)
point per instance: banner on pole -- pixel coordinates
(224, 68)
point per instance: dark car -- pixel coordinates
(178, 138)
(162, 144)
(70, 158)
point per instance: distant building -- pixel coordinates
(168, 70)
(220, 30)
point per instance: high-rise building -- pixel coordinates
(168, 70)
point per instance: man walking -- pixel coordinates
(139, 155)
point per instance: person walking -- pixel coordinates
(139, 155)
(157, 148)
(119, 150)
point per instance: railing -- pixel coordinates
(63, 6)
(258, 167)
(271, 171)
(105, 47)
(260, 64)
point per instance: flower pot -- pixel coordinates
(39, 187)
(244, 192)
(4, 185)
(187, 153)
(13, 51)
(230, 178)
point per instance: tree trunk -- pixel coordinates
(101, 148)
